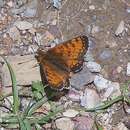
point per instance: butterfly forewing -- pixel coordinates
(69, 55)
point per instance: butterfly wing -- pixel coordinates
(53, 76)
(57, 63)
(69, 55)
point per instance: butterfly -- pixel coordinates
(59, 62)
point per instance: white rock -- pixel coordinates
(74, 95)
(90, 98)
(120, 28)
(91, 7)
(24, 69)
(57, 3)
(108, 92)
(101, 83)
(22, 25)
(113, 90)
(127, 110)
(119, 69)
(64, 124)
(93, 66)
(70, 113)
(128, 69)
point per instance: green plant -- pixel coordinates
(26, 120)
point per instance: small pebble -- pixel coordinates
(23, 25)
(30, 12)
(90, 98)
(113, 90)
(64, 124)
(120, 29)
(101, 83)
(57, 3)
(105, 55)
(119, 69)
(93, 66)
(92, 7)
(128, 9)
(74, 95)
(70, 113)
(83, 123)
(128, 69)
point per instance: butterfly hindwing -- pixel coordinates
(53, 76)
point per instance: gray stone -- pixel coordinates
(90, 98)
(101, 83)
(80, 79)
(31, 9)
(93, 66)
(64, 124)
(23, 25)
(105, 55)
(29, 12)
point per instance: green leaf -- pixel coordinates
(50, 115)
(38, 90)
(21, 124)
(16, 101)
(27, 124)
(36, 105)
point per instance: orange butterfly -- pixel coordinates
(57, 63)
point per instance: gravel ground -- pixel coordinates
(24, 24)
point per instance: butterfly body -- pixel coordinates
(57, 63)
